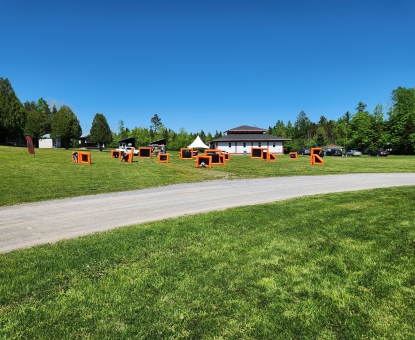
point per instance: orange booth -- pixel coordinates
(293, 155)
(267, 156)
(163, 158)
(128, 156)
(257, 152)
(81, 157)
(186, 153)
(206, 160)
(116, 153)
(145, 152)
(315, 158)
(217, 156)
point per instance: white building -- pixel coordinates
(241, 139)
(46, 142)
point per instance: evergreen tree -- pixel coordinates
(43, 108)
(29, 106)
(361, 107)
(155, 124)
(12, 112)
(123, 132)
(346, 120)
(100, 131)
(302, 131)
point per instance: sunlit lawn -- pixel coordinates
(50, 174)
(337, 266)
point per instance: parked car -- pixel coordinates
(334, 152)
(304, 151)
(353, 153)
(128, 149)
(378, 153)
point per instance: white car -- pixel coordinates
(353, 153)
(128, 149)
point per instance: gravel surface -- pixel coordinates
(26, 225)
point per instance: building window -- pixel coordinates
(273, 145)
(244, 145)
(259, 144)
(230, 144)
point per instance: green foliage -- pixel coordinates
(284, 270)
(100, 130)
(143, 136)
(123, 132)
(30, 106)
(12, 112)
(156, 124)
(181, 140)
(65, 126)
(362, 131)
(361, 107)
(43, 108)
(35, 124)
(302, 132)
(38, 118)
(402, 120)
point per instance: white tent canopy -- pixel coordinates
(198, 144)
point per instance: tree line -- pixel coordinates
(361, 130)
(35, 118)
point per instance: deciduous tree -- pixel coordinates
(35, 124)
(402, 120)
(65, 126)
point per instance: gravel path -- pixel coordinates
(26, 225)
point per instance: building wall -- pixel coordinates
(241, 147)
(48, 143)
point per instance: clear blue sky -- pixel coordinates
(207, 65)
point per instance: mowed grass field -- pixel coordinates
(338, 266)
(50, 174)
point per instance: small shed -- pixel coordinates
(85, 142)
(45, 142)
(127, 142)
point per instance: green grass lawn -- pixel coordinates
(51, 175)
(338, 266)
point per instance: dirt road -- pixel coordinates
(45, 222)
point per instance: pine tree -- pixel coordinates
(100, 131)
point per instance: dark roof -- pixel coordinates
(246, 129)
(159, 142)
(127, 139)
(249, 137)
